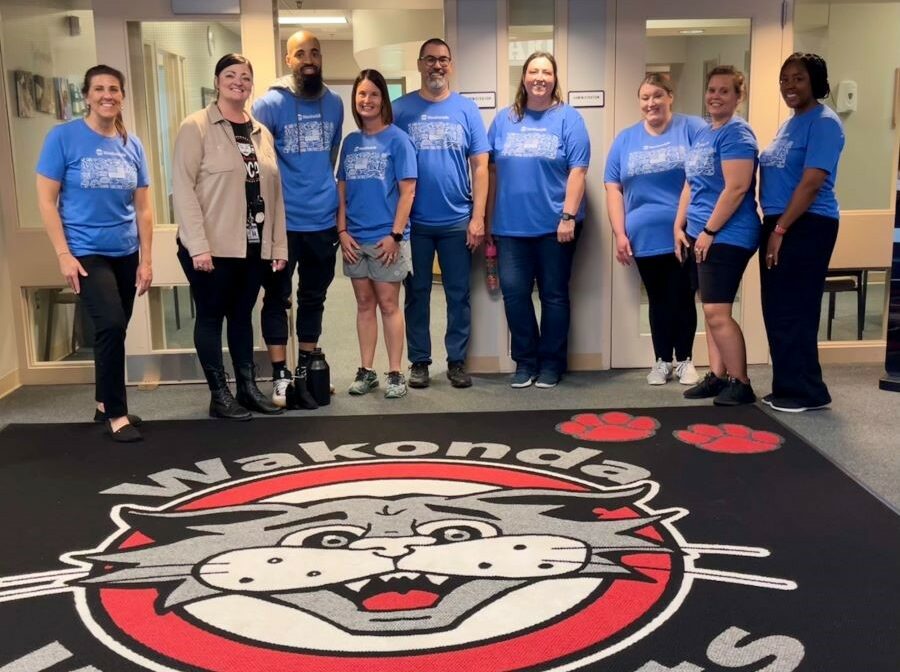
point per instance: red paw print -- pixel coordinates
(611, 426)
(727, 438)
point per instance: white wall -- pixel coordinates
(861, 42)
(35, 38)
(8, 353)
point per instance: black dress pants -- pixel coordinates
(107, 295)
(673, 313)
(792, 304)
(229, 292)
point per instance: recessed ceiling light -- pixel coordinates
(691, 31)
(312, 20)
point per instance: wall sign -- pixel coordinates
(485, 100)
(587, 98)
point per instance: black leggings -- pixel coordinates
(673, 314)
(228, 291)
(107, 294)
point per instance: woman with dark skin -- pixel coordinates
(800, 225)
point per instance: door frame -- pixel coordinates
(770, 43)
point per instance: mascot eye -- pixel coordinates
(334, 536)
(455, 531)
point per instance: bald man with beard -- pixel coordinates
(306, 119)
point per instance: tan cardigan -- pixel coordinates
(209, 194)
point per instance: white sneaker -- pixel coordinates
(686, 373)
(279, 388)
(660, 373)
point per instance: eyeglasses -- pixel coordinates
(430, 61)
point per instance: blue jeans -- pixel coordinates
(455, 261)
(521, 262)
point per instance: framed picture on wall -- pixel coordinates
(63, 104)
(207, 96)
(44, 95)
(24, 93)
(78, 105)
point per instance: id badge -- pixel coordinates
(252, 232)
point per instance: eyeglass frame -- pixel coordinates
(431, 61)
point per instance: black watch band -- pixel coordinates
(397, 236)
(709, 233)
(567, 216)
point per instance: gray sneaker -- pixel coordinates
(366, 380)
(396, 385)
(418, 375)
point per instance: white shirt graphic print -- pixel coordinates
(436, 135)
(108, 172)
(775, 155)
(365, 164)
(701, 160)
(308, 136)
(531, 144)
(655, 160)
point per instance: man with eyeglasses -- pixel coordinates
(448, 212)
(306, 119)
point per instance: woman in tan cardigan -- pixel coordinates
(230, 215)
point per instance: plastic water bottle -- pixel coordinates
(318, 378)
(490, 264)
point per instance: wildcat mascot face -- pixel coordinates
(399, 565)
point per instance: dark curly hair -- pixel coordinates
(816, 69)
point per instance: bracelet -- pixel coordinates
(62, 254)
(709, 233)
(780, 230)
(342, 231)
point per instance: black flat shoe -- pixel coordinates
(100, 417)
(125, 434)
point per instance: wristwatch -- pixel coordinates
(397, 236)
(567, 217)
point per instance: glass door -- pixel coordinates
(684, 41)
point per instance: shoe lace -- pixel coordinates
(393, 378)
(361, 374)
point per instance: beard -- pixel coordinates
(309, 84)
(436, 84)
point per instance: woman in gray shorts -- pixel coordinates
(376, 184)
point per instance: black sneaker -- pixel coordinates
(793, 406)
(768, 399)
(710, 386)
(418, 375)
(735, 393)
(457, 375)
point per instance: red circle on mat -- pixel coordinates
(622, 606)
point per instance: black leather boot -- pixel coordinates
(298, 395)
(222, 404)
(249, 395)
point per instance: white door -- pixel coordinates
(685, 40)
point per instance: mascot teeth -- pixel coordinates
(436, 579)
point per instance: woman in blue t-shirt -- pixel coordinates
(94, 199)
(376, 185)
(718, 205)
(800, 226)
(539, 158)
(644, 178)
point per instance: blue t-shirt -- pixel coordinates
(98, 176)
(650, 170)
(306, 132)
(703, 168)
(813, 139)
(445, 133)
(532, 159)
(372, 167)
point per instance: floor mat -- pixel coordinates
(646, 540)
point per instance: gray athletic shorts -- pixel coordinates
(369, 265)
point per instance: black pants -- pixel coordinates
(792, 303)
(228, 292)
(313, 254)
(673, 313)
(107, 294)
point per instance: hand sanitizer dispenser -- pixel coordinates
(846, 98)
